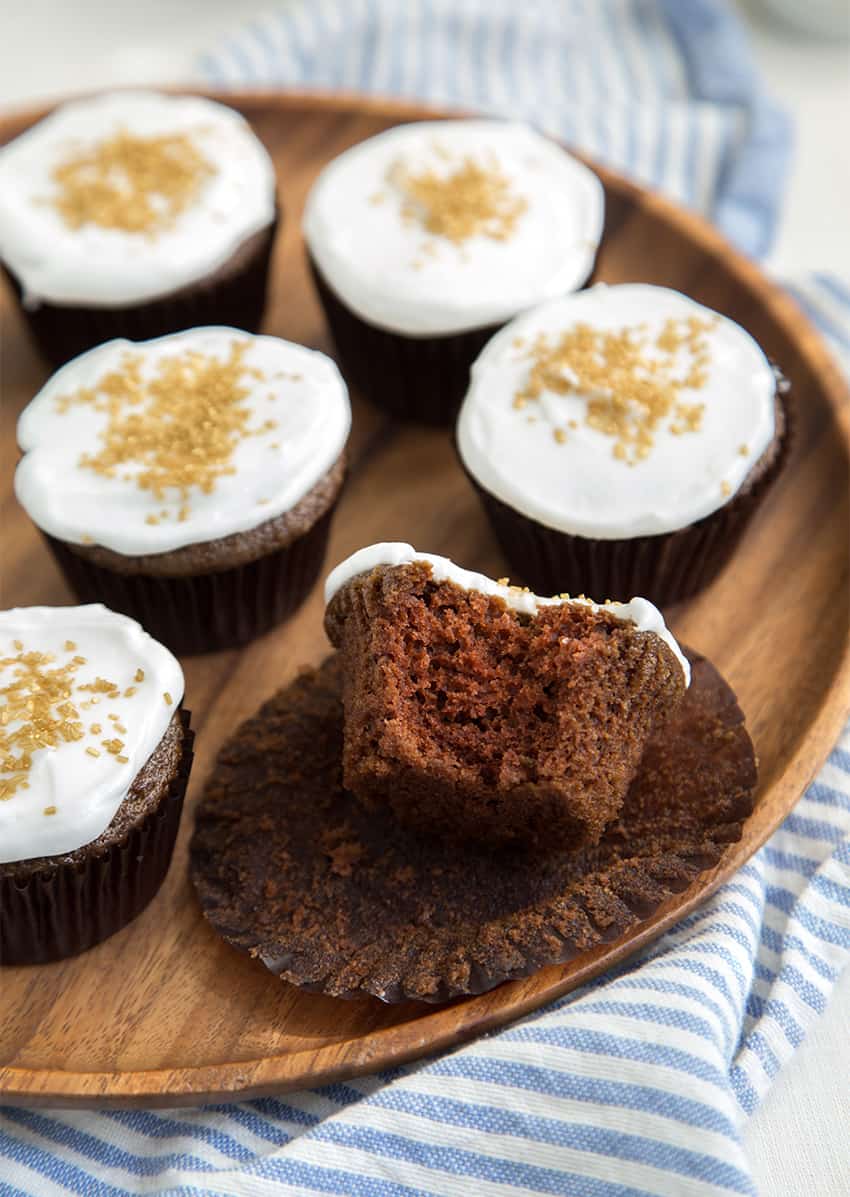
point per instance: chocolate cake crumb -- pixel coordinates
(410, 919)
(467, 718)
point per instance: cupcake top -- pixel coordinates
(128, 196)
(621, 411)
(438, 227)
(639, 611)
(147, 447)
(85, 697)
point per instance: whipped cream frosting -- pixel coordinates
(109, 267)
(543, 458)
(295, 413)
(73, 787)
(639, 611)
(396, 275)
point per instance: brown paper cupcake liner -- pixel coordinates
(291, 869)
(234, 296)
(206, 612)
(421, 379)
(65, 910)
(665, 569)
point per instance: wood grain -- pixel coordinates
(164, 1013)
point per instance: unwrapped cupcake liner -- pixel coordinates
(290, 868)
(62, 911)
(665, 568)
(205, 612)
(236, 299)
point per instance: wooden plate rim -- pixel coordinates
(270, 1074)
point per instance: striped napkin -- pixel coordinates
(640, 1082)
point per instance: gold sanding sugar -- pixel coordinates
(179, 428)
(38, 709)
(135, 184)
(633, 385)
(473, 200)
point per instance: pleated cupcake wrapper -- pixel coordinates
(665, 569)
(65, 910)
(236, 300)
(211, 611)
(421, 379)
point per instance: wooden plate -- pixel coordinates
(166, 1014)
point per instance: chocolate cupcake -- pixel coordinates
(427, 238)
(621, 440)
(95, 754)
(134, 214)
(474, 710)
(292, 869)
(189, 481)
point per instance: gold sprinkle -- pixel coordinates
(136, 184)
(122, 760)
(167, 697)
(130, 691)
(96, 729)
(631, 386)
(119, 727)
(92, 751)
(19, 645)
(473, 200)
(744, 450)
(70, 646)
(139, 675)
(113, 747)
(50, 810)
(86, 539)
(725, 489)
(180, 427)
(560, 436)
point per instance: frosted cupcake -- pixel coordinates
(620, 440)
(189, 481)
(95, 753)
(134, 214)
(427, 238)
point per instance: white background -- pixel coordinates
(799, 1140)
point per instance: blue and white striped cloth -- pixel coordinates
(640, 1082)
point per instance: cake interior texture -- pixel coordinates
(468, 718)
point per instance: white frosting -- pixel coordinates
(375, 262)
(640, 612)
(579, 486)
(103, 267)
(84, 789)
(301, 392)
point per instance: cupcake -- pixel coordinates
(477, 710)
(293, 870)
(620, 440)
(134, 214)
(95, 754)
(188, 481)
(427, 238)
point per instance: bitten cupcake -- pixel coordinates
(188, 481)
(620, 440)
(476, 710)
(428, 237)
(95, 753)
(134, 214)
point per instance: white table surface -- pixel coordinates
(799, 1141)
